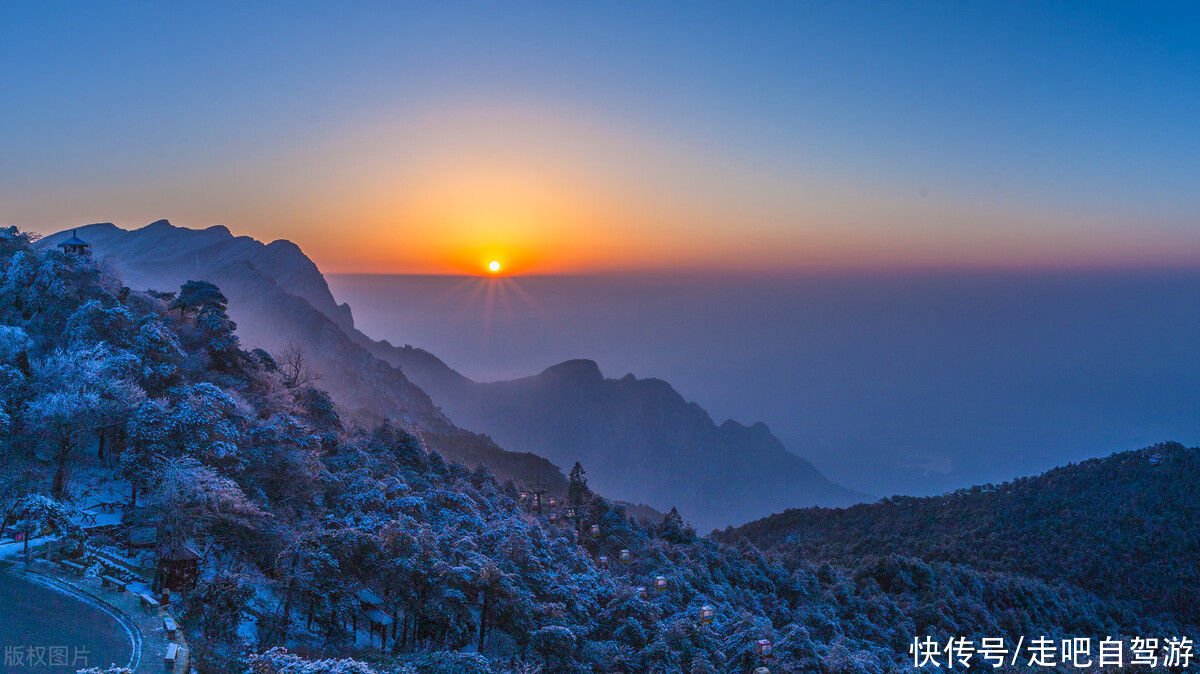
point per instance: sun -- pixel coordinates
(494, 266)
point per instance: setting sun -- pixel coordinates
(494, 266)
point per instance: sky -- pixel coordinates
(591, 137)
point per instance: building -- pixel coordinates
(178, 567)
(76, 245)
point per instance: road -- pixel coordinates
(42, 628)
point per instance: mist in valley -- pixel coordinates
(911, 383)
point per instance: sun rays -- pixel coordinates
(496, 297)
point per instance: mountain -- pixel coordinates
(308, 523)
(279, 299)
(299, 513)
(639, 440)
(1123, 526)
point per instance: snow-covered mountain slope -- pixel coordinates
(278, 299)
(639, 439)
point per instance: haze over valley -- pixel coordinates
(909, 383)
(642, 441)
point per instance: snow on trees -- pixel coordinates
(278, 660)
(199, 296)
(160, 352)
(211, 328)
(35, 513)
(189, 500)
(79, 392)
(298, 508)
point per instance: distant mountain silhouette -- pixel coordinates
(278, 297)
(639, 439)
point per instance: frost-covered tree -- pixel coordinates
(95, 321)
(201, 420)
(214, 609)
(281, 454)
(160, 354)
(189, 500)
(200, 296)
(34, 513)
(78, 392)
(555, 645)
(211, 328)
(280, 661)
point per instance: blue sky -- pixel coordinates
(1075, 116)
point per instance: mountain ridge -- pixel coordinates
(1138, 506)
(615, 427)
(302, 517)
(570, 412)
(260, 281)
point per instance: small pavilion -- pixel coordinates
(178, 567)
(76, 245)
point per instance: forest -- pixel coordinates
(1122, 526)
(296, 510)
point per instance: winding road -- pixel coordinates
(45, 629)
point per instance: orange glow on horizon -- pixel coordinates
(549, 191)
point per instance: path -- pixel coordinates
(41, 625)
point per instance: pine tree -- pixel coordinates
(200, 296)
(577, 488)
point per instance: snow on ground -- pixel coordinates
(95, 485)
(10, 548)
